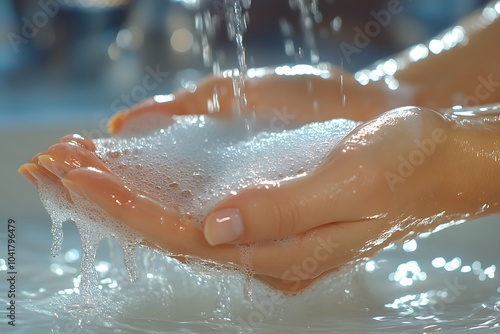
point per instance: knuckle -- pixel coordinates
(67, 152)
(286, 214)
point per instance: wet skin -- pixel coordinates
(353, 211)
(359, 199)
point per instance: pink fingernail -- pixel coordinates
(34, 171)
(51, 165)
(223, 226)
(27, 174)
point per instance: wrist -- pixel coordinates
(474, 166)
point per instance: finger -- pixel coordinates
(159, 224)
(29, 172)
(105, 188)
(291, 286)
(321, 251)
(34, 159)
(79, 140)
(292, 265)
(164, 227)
(294, 261)
(63, 157)
(281, 209)
(75, 139)
(145, 117)
(155, 113)
(37, 172)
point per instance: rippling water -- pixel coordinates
(444, 282)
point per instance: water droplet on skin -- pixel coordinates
(174, 185)
(186, 193)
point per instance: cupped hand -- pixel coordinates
(387, 179)
(403, 173)
(287, 97)
(72, 164)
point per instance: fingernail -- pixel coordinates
(34, 171)
(27, 175)
(223, 226)
(73, 188)
(51, 165)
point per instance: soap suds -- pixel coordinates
(191, 165)
(197, 161)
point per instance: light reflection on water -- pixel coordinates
(443, 282)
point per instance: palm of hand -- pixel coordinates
(356, 224)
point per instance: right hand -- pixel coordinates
(347, 212)
(72, 165)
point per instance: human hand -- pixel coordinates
(345, 210)
(72, 165)
(401, 174)
(277, 96)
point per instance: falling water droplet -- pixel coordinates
(336, 24)
(309, 13)
(342, 93)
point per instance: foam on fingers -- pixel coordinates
(189, 166)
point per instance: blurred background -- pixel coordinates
(61, 59)
(68, 65)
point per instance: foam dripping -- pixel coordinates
(93, 225)
(216, 158)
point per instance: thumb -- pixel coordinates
(276, 210)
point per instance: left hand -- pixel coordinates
(285, 99)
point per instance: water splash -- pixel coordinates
(237, 22)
